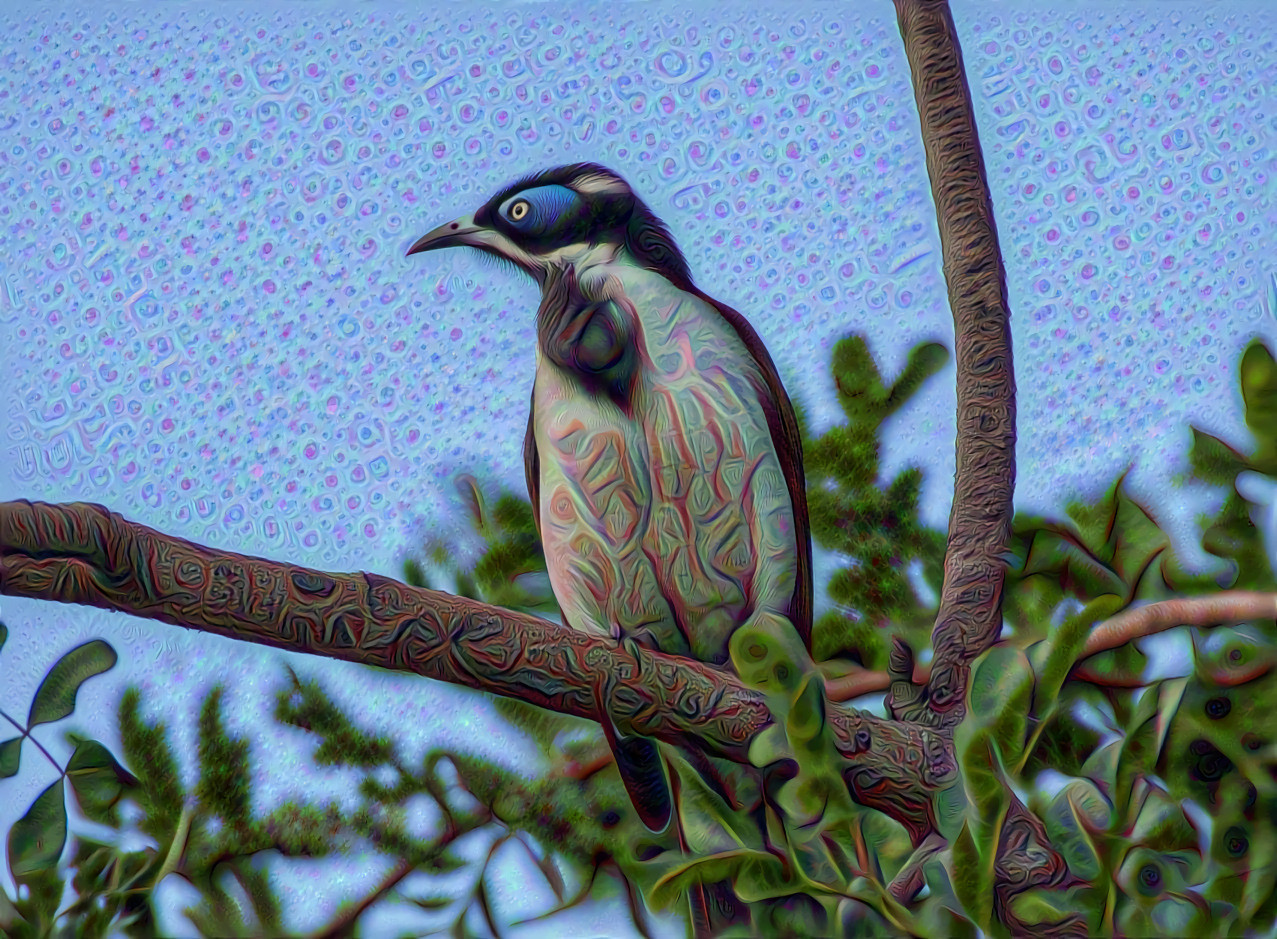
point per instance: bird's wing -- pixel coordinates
(532, 465)
(788, 443)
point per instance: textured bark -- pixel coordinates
(83, 553)
(969, 620)
(970, 615)
(1026, 861)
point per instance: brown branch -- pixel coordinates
(83, 553)
(1230, 606)
(970, 615)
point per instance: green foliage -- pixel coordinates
(38, 839)
(223, 762)
(146, 749)
(875, 528)
(511, 570)
(1122, 810)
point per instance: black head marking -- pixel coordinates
(605, 207)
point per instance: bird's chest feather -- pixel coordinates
(650, 478)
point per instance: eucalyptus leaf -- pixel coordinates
(1259, 397)
(968, 878)
(1064, 647)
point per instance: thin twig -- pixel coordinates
(344, 921)
(27, 734)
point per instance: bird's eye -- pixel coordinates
(519, 210)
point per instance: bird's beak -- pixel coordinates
(463, 231)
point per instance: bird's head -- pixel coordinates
(552, 218)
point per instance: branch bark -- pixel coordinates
(969, 620)
(970, 615)
(1230, 606)
(81, 553)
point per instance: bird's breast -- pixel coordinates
(652, 512)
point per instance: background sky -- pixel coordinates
(208, 325)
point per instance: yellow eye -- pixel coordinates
(519, 210)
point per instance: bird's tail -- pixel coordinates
(643, 773)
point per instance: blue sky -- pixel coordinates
(209, 326)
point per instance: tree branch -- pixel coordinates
(970, 615)
(82, 553)
(1231, 606)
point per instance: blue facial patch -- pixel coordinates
(535, 211)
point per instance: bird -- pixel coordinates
(662, 454)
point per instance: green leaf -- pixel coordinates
(1259, 398)
(55, 698)
(1213, 460)
(4, 634)
(1047, 908)
(414, 575)
(1163, 826)
(262, 895)
(37, 838)
(944, 914)
(10, 754)
(1101, 765)
(9, 915)
(1234, 537)
(39, 908)
(982, 775)
(1064, 646)
(1001, 691)
(1074, 563)
(306, 704)
(969, 878)
(857, 381)
(847, 454)
(98, 781)
(1262, 877)
(757, 874)
(1145, 737)
(147, 751)
(1078, 813)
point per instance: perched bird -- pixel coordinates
(663, 458)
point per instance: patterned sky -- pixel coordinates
(207, 322)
